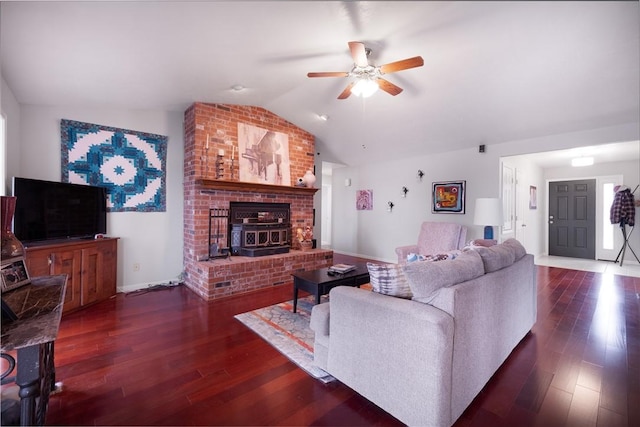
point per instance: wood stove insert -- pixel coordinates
(259, 229)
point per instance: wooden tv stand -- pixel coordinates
(91, 267)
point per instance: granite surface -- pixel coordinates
(38, 306)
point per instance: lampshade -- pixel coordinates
(488, 212)
(364, 87)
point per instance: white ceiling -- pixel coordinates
(494, 71)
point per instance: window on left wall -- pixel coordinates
(3, 156)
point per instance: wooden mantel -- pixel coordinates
(216, 184)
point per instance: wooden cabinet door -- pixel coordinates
(90, 266)
(91, 274)
(39, 263)
(69, 263)
(109, 249)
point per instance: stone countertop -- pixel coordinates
(38, 306)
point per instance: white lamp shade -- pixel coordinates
(488, 212)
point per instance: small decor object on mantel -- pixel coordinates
(309, 179)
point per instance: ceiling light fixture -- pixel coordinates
(581, 161)
(323, 117)
(364, 87)
(237, 88)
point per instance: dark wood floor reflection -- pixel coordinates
(169, 358)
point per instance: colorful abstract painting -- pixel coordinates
(130, 164)
(448, 197)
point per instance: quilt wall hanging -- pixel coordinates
(130, 164)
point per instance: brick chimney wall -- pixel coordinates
(219, 123)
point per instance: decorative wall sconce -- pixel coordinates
(391, 205)
(405, 190)
(420, 174)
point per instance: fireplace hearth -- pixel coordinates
(259, 229)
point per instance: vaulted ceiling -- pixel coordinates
(493, 71)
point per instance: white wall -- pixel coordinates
(376, 234)
(530, 225)
(152, 240)
(11, 110)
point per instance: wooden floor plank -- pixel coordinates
(169, 358)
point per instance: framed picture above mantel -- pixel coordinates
(263, 156)
(448, 197)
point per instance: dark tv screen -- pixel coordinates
(47, 210)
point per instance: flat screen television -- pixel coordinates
(47, 210)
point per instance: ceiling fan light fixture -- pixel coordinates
(364, 88)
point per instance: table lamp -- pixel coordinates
(488, 213)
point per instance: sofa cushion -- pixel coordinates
(427, 278)
(518, 250)
(389, 279)
(496, 257)
(319, 322)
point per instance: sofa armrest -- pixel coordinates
(403, 251)
(320, 319)
(395, 352)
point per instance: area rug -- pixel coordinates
(288, 332)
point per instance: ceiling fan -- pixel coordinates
(367, 77)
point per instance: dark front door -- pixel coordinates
(572, 218)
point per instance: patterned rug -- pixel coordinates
(288, 332)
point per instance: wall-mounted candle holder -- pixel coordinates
(390, 206)
(405, 190)
(420, 174)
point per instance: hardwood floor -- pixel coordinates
(169, 358)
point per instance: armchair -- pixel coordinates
(434, 238)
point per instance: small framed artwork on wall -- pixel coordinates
(364, 200)
(448, 197)
(533, 197)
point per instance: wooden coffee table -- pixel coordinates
(319, 282)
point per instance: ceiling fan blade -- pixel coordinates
(328, 74)
(359, 54)
(346, 92)
(405, 64)
(389, 87)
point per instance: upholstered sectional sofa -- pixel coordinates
(423, 357)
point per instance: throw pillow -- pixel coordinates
(427, 278)
(389, 279)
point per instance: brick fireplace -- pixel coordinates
(208, 129)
